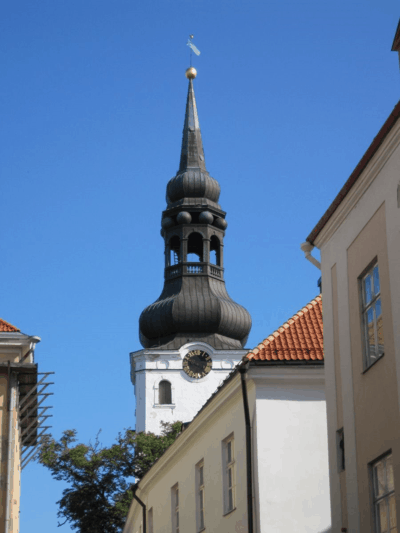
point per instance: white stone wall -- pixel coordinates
(291, 451)
(149, 367)
(290, 461)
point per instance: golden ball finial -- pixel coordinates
(191, 73)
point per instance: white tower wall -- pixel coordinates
(150, 367)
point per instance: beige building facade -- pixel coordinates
(21, 419)
(359, 241)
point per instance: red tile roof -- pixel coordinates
(6, 326)
(298, 339)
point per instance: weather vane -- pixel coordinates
(192, 48)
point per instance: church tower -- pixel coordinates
(194, 334)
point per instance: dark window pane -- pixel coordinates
(230, 499)
(164, 392)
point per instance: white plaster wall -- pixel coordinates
(377, 185)
(290, 467)
(188, 394)
(292, 484)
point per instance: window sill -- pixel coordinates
(201, 530)
(229, 512)
(164, 406)
(373, 364)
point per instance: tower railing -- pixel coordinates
(190, 269)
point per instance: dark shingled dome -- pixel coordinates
(194, 303)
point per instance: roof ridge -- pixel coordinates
(6, 326)
(293, 317)
(297, 339)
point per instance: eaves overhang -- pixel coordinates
(369, 154)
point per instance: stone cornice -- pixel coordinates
(286, 377)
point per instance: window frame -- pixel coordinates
(229, 474)
(200, 506)
(340, 447)
(378, 499)
(175, 508)
(369, 360)
(160, 392)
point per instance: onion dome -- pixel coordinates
(194, 303)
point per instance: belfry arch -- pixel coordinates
(173, 251)
(215, 251)
(195, 248)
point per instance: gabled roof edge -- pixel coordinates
(378, 140)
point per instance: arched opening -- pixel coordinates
(174, 250)
(195, 248)
(215, 251)
(164, 392)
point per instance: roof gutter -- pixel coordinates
(243, 369)
(307, 249)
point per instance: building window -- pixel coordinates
(228, 474)
(384, 497)
(340, 450)
(372, 316)
(175, 508)
(164, 392)
(200, 496)
(150, 520)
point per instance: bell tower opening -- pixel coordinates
(174, 251)
(215, 251)
(195, 248)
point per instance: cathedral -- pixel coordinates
(194, 333)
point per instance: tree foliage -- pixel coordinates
(100, 479)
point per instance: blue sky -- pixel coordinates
(290, 95)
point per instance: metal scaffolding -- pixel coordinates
(32, 415)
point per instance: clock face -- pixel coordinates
(197, 364)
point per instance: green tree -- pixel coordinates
(100, 479)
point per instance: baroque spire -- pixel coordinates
(194, 303)
(192, 153)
